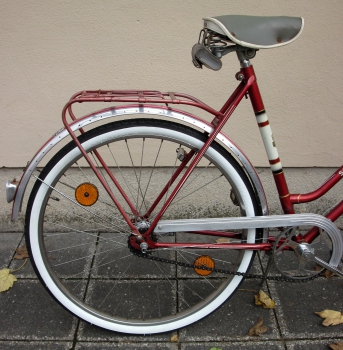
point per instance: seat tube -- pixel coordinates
(268, 139)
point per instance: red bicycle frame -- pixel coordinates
(248, 86)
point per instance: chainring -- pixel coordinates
(293, 259)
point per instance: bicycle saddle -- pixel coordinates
(257, 32)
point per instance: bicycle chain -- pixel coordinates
(235, 273)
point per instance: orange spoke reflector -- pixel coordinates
(203, 260)
(86, 194)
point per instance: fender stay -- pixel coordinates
(151, 110)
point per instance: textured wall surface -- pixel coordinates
(51, 49)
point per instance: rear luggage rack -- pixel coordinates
(136, 97)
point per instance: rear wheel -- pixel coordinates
(79, 242)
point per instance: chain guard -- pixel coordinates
(291, 221)
(272, 221)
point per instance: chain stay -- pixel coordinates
(149, 256)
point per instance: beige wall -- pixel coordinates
(51, 49)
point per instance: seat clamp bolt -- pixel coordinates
(240, 76)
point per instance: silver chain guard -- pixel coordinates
(241, 223)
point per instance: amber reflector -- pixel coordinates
(86, 194)
(203, 260)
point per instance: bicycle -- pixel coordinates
(150, 222)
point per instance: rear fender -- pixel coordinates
(147, 110)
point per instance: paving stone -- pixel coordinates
(62, 247)
(8, 244)
(115, 260)
(256, 345)
(35, 345)
(232, 321)
(312, 344)
(127, 345)
(88, 332)
(296, 304)
(27, 270)
(121, 299)
(31, 313)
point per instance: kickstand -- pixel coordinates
(269, 265)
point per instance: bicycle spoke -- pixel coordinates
(151, 173)
(115, 284)
(139, 191)
(120, 171)
(196, 190)
(91, 220)
(139, 177)
(173, 288)
(188, 183)
(170, 181)
(70, 199)
(76, 184)
(90, 270)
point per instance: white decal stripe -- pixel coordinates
(261, 118)
(268, 141)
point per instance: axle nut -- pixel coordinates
(144, 247)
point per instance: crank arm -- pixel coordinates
(241, 223)
(327, 266)
(306, 254)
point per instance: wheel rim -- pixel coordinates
(142, 284)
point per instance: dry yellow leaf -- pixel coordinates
(337, 346)
(6, 280)
(331, 317)
(263, 299)
(328, 313)
(174, 338)
(332, 321)
(258, 329)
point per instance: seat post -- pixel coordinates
(243, 60)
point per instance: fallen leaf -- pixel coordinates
(223, 240)
(258, 329)
(174, 338)
(6, 280)
(332, 317)
(337, 346)
(21, 253)
(318, 267)
(328, 274)
(263, 299)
